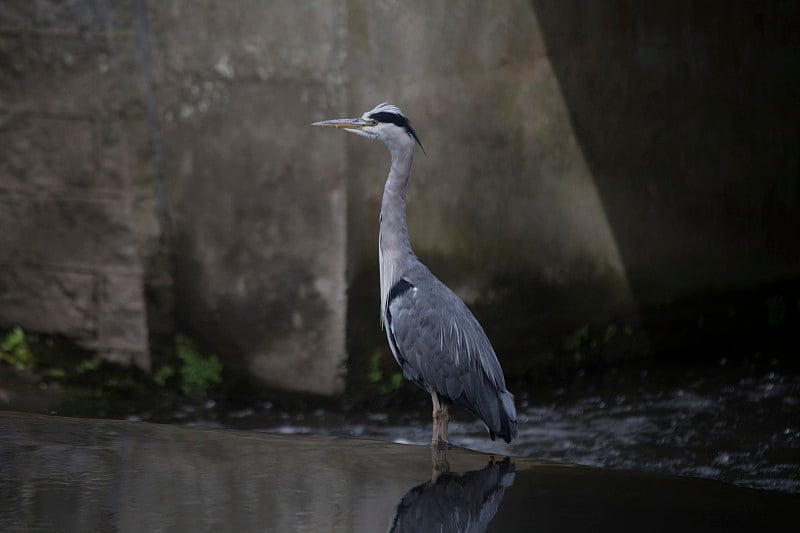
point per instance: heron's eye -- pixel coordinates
(372, 122)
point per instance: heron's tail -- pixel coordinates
(508, 417)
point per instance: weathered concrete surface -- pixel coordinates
(259, 209)
(83, 475)
(76, 210)
(504, 185)
(584, 162)
(243, 246)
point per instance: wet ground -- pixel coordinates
(734, 421)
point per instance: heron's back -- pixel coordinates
(441, 347)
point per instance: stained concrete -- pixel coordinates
(76, 205)
(584, 162)
(258, 206)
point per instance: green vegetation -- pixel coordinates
(191, 372)
(197, 372)
(162, 375)
(604, 342)
(188, 371)
(387, 384)
(576, 339)
(16, 351)
(611, 331)
(54, 360)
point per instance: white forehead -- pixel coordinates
(385, 107)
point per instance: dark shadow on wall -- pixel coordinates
(687, 114)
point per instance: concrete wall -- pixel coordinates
(156, 175)
(503, 208)
(584, 162)
(258, 206)
(686, 114)
(77, 208)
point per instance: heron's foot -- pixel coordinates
(441, 443)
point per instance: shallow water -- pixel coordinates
(71, 474)
(736, 422)
(747, 432)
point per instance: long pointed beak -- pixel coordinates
(345, 123)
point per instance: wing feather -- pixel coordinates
(441, 346)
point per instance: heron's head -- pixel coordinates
(385, 122)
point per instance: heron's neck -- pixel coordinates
(394, 229)
(393, 243)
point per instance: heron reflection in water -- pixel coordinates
(434, 337)
(453, 502)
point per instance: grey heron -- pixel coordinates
(436, 340)
(455, 502)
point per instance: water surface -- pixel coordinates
(69, 474)
(731, 421)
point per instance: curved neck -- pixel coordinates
(394, 246)
(394, 229)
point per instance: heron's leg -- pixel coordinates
(444, 422)
(437, 413)
(439, 461)
(438, 445)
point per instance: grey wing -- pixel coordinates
(441, 346)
